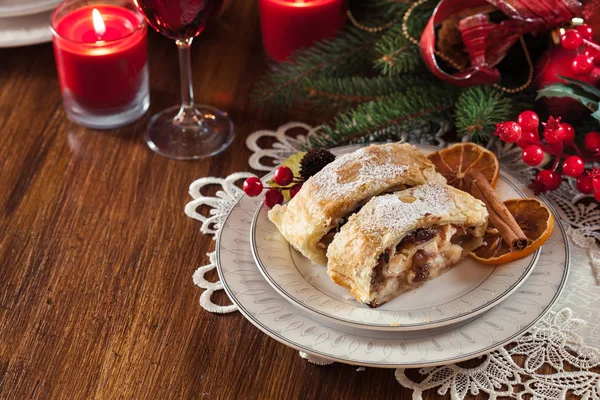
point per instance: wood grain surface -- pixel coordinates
(97, 256)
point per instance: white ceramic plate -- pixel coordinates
(464, 292)
(278, 318)
(15, 8)
(25, 31)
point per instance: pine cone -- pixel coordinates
(314, 161)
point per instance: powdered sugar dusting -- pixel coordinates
(398, 211)
(369, 167)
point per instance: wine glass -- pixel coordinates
(188, 131)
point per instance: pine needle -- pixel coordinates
(478, 109)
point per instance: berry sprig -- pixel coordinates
(557, 140)
(283, 176)
(311, 163)
(580, 39)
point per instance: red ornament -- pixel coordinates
(273, 197)
(557, 62)
(295, 189)
(584, 184)
(283, 176)
(573, 166)
(591, 141)
(532, 155)
(528, 138)
(597, 195)
(569, 132)
(508, 131)
(571, 39)
(529, 121)
(253, 186)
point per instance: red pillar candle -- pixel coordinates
(101, 55)
(288, 25)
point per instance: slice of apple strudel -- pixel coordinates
(399, 241)
(311, 219)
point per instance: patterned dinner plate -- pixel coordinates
(25, 30)
(264, 307)
(14, 8)
(464, 292)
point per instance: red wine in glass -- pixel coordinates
(180, 19)
(188, 131)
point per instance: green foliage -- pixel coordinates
(389, 117)
(349, 53)
(397, 55)
(347, 92)
(583, 92)
(478, 108)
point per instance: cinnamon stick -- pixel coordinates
(500, 217)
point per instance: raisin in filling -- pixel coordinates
(421, 260)
(420, 265)
(418, 236)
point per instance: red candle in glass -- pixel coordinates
(288, 25)
(101, 56)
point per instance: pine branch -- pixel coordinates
(478, 108)
(388, 117)
(346, 92)
(397, 54)
(349, 53)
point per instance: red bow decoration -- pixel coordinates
(487, 42)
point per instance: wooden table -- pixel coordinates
(97, 256)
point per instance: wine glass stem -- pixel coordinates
(185, 71)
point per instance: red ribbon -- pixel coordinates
(486, 42)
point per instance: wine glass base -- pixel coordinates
(209, 132)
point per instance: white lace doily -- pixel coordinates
(569, 345)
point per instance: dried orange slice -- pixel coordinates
(536, 221)
(453, 163)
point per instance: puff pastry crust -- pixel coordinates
(341, 187)
(372, 257)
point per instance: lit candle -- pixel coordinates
(288, 25)
(101, 58)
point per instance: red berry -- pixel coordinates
(591, 141)
(555, 149)
(528, 138)
(295, 189)
(273, 197)
(283, 176)
(509, 131)
(528, 120)
(555, 135)
(569, 132)
(253, 186)
(571, 39)
(592, 53)
(596, 184)
(582, 64)
(551, 180)
(573, 166)
(532, 155)
(585, 31)
(584, 184)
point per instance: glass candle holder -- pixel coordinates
(102, 61)
(289, 25)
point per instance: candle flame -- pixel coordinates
(98, 21)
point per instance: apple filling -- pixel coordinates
(422, 255)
